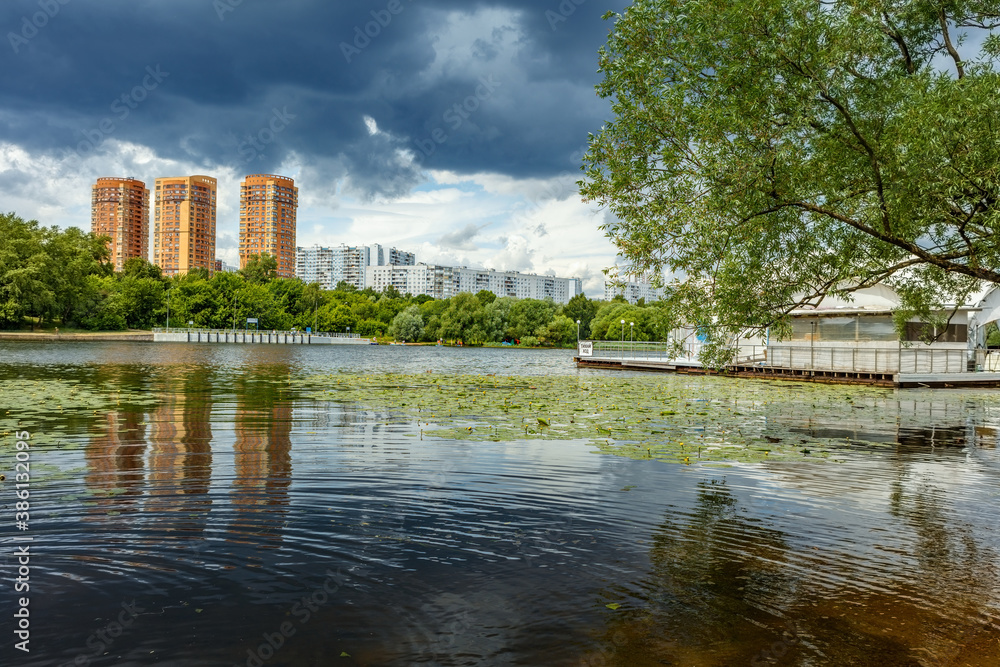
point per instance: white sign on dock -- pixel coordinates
(586, 348)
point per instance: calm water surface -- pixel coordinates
(231, 519)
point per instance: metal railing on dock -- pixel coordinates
(662, 352)
(197, 330)
(194, 335)
(916, 359)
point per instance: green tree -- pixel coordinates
(431, 311)
(529, 317)
(344, 286)
(138, 267)
(75, 255)
(583, 309)
(607, 322)
(485, 297)
(141, 300)
(561, 331)
(310, 300)
(408, 325)
(24, 268)
(774, 152)
(260, 268)
(459, 318)
(336, 317)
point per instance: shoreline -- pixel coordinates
(45, 336)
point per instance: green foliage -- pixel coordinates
(408, 325)
(485, 297)
(992, 335)
(583, 309)
(65, 278)
(44, 271)
(649, 416)
(771, 153)
(561, 331)
(529, 317)
(458, 319)
(260, 268)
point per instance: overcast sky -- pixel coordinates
(451, 128)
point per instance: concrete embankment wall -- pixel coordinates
(252, 338)
(48, 337)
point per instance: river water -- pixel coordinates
(199, 505)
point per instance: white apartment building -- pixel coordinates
(329, 266)
(442, 282)
(398, 258)
(632, 291)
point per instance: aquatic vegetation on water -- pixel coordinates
(43, 407)
(648, 417)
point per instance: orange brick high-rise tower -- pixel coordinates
(268, 206)
(120, 210)
(184, 224)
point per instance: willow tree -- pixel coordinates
(770, 153)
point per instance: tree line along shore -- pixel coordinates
(63, 279)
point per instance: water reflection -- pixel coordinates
(449, 552)
(262, 455)
(180, 447)
(726, 587)
(115, 464)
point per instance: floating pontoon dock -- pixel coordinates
(884, 367)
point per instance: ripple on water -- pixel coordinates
(234, 505)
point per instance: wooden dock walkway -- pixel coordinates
(763, 372)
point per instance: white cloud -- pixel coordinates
(480, 220)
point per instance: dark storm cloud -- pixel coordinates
(205, 80)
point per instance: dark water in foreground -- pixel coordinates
(230, 519)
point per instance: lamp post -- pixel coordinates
(348, 332)
(631, 338)
(621, 344)
(234, 314)
(315, 310)
(168, 308)
(578, 333)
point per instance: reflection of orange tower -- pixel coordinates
(180, 461)
(263, 453)
(263, 462)
(114, 462)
